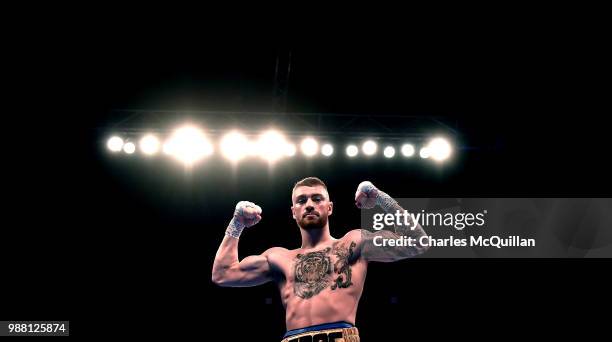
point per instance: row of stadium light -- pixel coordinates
(189, 145)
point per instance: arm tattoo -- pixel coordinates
(412, 230)
(313, 271)
(390, 205)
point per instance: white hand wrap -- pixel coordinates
(246, 214)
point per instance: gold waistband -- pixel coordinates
(329, 335)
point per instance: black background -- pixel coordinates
(125, 246)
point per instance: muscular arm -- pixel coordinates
(229, 271)
(367, 196)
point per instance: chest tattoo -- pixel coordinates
(314, 271)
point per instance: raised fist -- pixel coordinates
(247, 213)
(366, 195)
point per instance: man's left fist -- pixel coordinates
(366, 195)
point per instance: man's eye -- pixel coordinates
(301, 201)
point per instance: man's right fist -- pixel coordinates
(247, 213)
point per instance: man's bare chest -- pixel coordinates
(309, 273)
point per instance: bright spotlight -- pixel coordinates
(389, 152)
(234, 146)
(189, 145)
(290, 150)
(149, 144)
(369, 148)
(407, 150)
(351, 150)
(440, 149)
(327, 150)
(310, 147)
(115, 144)
(272, 146)
(167, 148)
(129, 147)
(425, 152)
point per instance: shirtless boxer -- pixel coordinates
(321, 282)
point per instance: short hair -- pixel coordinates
(309, 181)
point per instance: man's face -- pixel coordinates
(311, 207)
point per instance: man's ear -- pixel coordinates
(331, 208)
(293, 212)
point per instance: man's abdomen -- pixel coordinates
(326, 307)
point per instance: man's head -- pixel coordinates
(311, 205)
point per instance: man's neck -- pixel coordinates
(315, 237)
